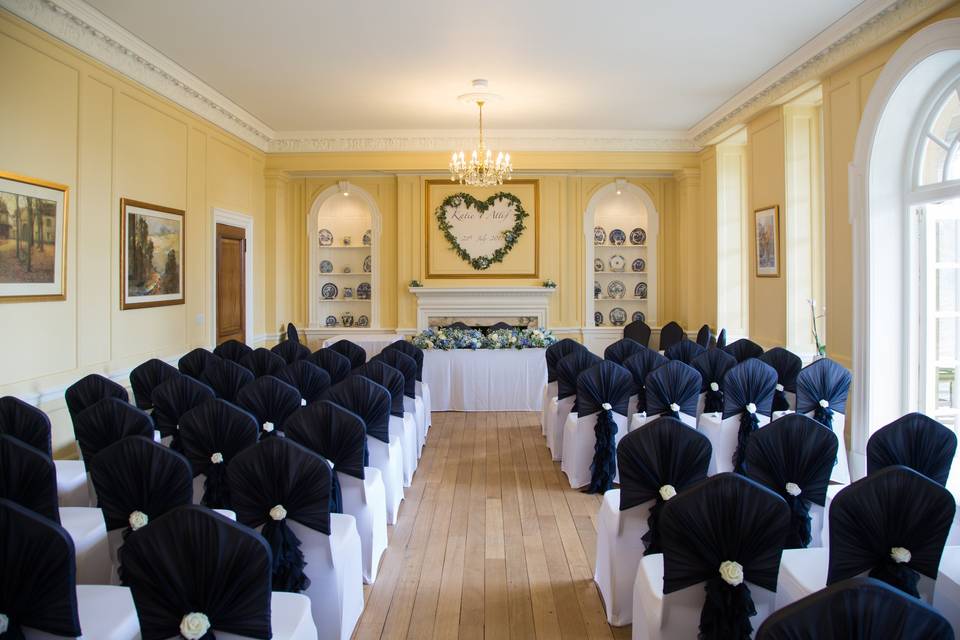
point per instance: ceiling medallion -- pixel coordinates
(481, 170)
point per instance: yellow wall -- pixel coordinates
(67, 119)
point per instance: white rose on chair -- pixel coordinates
(751, 408)
(216, 458)
(714, 387)
(194, 626)
(606, 406)
(137, 520)
(793, 489)
(278, 512)
(824, 404)
(779, 387)
(674, 407)
(900, 555)
(731, 572)
(667, 491)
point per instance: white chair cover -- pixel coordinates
(388, 458)
(106, 612)
(578, 444)
(405, 430)
(619, 551)
(366, 501)
(560, 409)
(89, 533)
(549, 393)
(722, 433)
(72, 490)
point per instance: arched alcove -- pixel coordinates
(886, 230)
(347, 212)
(619, 206)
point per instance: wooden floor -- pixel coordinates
(491, 542)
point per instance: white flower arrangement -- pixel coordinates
(900, 555)
(447, 339)
(667, 491)
(138, 520)
(793, 489)
(731, 572)
(194, 626)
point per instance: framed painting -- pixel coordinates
(767, 228)
(33, 239)
(482, 232)
(151, 255)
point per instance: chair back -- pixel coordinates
(640, 366)
(684, 351)
(388, 378)
(916, 441)
(354, 352)
(410, 349)
(38, 585)
(212, 435)
(569, 369)
(25, 423)
(793, 457)
(263, 362)
(174, 398)
(556, 351)
(892, 523)
(657, 462)
(290, 350)
(639, 331)
(621, 350)
(673, 389)
(232, 350)
(499, 326)
(194, 560)
(292, 334)
(109, 421)
(226, 378)
(91, 389)
(195, 362)
(333, 432)
(276, 480)
(722, 339)
(713, 365)
(145, 377)
(403, 363)
(704, 336)
(28, 477)
(458, 325)
(604, 383)
(787, 366)
(335, 364)
(748, 392)
(270, 400)
(367, 399)
(744, 349)
(309, 379)
(670, 334)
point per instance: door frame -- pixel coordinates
(245, 222)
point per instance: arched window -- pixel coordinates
(938, 151)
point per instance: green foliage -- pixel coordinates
(510, 237)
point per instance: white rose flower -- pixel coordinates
(751, 408)
(731, 572)
(194, 626)
(714, 386)
(216, 458)
(137, 520)
(606, 406)
(4, 623)
(667, 491)
(268, 426)
(793, 489)
(900, 555)
(513, 339)
(674, 407)
(824, 404)
(303, 402)
(278, 512)
(779, 387)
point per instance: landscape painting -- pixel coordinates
(151, 265)
(32, 239)
(768, 242)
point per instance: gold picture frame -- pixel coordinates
(141, 283)
(431, 227)
(29, 272)
(766, 237)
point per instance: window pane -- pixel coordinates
(946, 387)
(947, 240)
(947, 339)
(947, 290)
(947, 123)
(934, 157)
(953, 168)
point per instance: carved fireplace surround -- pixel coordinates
(482, 306)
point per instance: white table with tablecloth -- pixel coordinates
(485, 379)
(372, 343)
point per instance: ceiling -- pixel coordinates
(312, 65)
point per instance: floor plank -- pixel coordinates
(491, 541)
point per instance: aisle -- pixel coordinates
(491, 542)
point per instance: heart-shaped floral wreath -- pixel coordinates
(510, 236)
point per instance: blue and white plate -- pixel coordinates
(326, 266)
(366, 264)
(363, 291)
(616, 289)
(363, 321)
(329, 291)
(597, 289)
(639, 265)
(599, 235)
(326, 237)
(617, 237)
(640, 290)
(617, 263)
(597, 318)
(597, 265)
(331, 321)
(618, 317)
(638, 236)
(638, 317)
(367, 238)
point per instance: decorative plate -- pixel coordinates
(617, 237)
(638, 317)
(597, 289)
(618, 317)
(597, 318)
(616, 289)
(640, 290)
(331, 321)
(363, 291)
(326, 237)
(367, 238)
(638, 236)
(363, 321)
(348, 292)
(639, 265)
(599, 235)
(617, 263)
(347, 319)
(597, 265)
(329, 291)
(347, 269)
(366, 265)
(326, 266)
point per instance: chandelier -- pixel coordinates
(481, 170)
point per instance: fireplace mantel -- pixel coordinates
(482, 302)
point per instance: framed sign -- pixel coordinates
(767, 228)
(151, 255)
(482, 232)
(33, 239)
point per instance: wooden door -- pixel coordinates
(231, 283)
